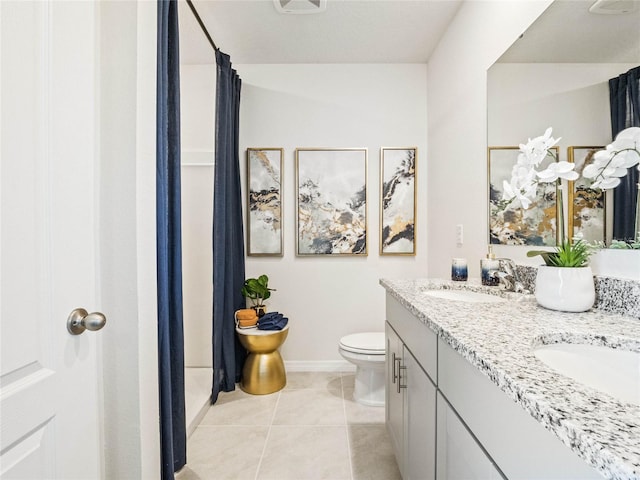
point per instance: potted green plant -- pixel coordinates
(565, 282)
(257, 290)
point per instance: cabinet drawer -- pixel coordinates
(418, 338)
(520, 445)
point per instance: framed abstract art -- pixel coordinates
(264, 202)
(587, 206)
(398, 201)
(331, 201)
(509, 223)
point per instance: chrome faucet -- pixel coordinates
(508, 275)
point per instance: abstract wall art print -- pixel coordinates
(398, 200)
(264, 202)
(331, 201)
(587, 206)
(509, 223)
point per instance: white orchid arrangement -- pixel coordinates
(525, 178)
(608, 166)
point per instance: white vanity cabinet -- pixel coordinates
(411, 393)
(459, 455)
(449, 421)
(517, 443)
(394, 396)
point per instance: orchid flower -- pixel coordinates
(522, 186)
(612, 163)
(558, 170)
(535, 150)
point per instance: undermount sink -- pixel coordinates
(465, 296)
(612, 371)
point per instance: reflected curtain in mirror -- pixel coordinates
(624, 95)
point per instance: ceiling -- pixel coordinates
(568, 33)
(349, 31)
(393, 31)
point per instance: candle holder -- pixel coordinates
(459, 270)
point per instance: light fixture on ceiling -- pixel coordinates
(300, 6)
(614, 7)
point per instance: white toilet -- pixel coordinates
(367, 352)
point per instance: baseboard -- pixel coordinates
(319, 366)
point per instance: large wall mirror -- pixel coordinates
(556, 75)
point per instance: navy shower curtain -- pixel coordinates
(228, 238)
(173, 438)
(624, 96)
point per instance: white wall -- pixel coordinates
(572, 98)
(457, 128)
(127, 239)
(368, 106)
(197, 104)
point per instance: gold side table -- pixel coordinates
(263, 371)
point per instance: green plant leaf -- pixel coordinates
(546, 256)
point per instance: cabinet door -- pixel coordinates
(460, 457)
(420, 423)
(394, 408)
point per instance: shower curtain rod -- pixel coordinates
(204, 29)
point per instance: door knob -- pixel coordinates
(79, 321)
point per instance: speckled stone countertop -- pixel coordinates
(499, 338)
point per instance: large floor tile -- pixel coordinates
(315, 380)
(371, 453)
(310, 407)
(225, 452)
(348, 380)
(240, 408)
(306, 453)
(361, 414)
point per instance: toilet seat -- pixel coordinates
(370, 343)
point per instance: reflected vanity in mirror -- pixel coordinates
(554, 76)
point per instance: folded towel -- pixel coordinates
(247, 323)
(246, 314)
(276, 326)
(272, 321)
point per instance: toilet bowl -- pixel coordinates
(367, 352)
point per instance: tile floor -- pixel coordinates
(312, 429)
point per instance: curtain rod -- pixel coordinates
(204, 29)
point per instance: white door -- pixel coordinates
(49, 392)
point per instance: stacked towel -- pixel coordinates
(272, 321)
(246, 318)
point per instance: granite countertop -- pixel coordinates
(499, 339)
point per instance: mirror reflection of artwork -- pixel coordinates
(331, 201)
(509, 223)
(264, 203)
(587, 206)
(398, 206)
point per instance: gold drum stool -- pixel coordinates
(263, 370)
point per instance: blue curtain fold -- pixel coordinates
(173, 438)
(228, 237)
(624, 97)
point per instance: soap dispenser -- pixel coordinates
(489, 268)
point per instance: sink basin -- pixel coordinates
(465, 296)
(613, 371)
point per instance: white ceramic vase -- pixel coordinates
(567, 289)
